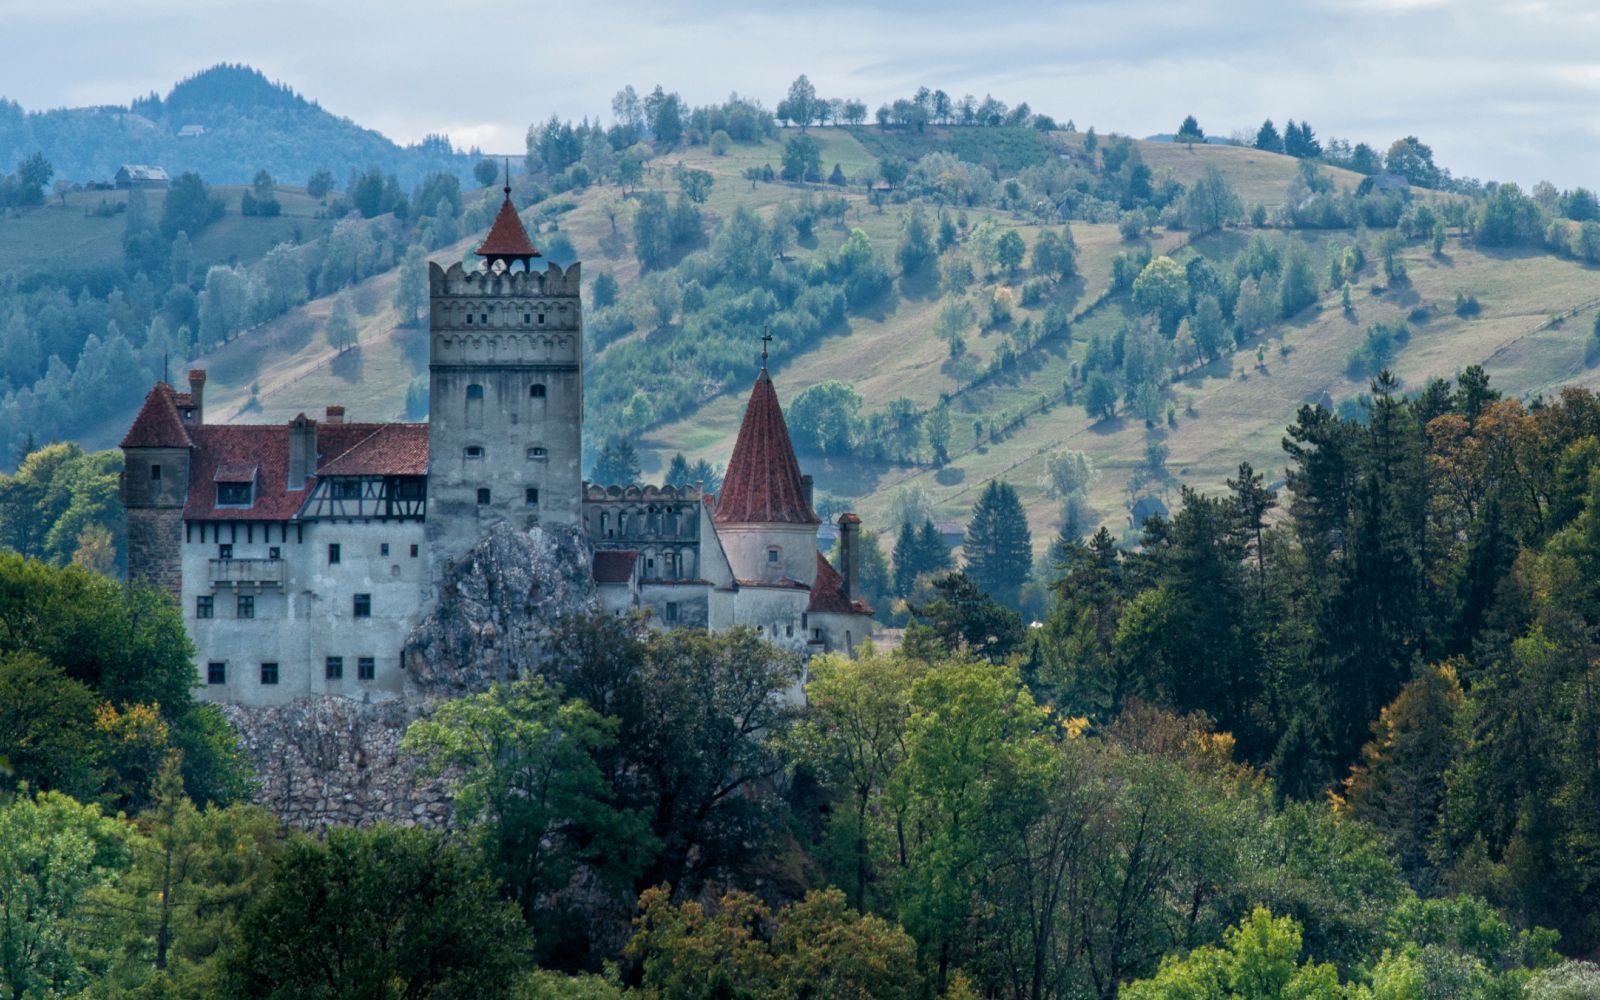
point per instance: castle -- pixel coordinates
(303, 554)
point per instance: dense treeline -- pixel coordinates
(248, 122)
(1343, 753)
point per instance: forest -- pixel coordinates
(1333, 743)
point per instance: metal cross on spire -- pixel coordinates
(766, 338)
(508, 178)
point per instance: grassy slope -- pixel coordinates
(54, 233)
(895, 353)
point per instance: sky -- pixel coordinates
(1500, 90)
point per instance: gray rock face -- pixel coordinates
(327, 761)
(496, 609)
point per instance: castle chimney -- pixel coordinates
(335, 415)
(849, 552)
(302, 451)
(197, 389)
(805, 487)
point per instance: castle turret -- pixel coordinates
(155, 483)
(764, 514)
(505, 371)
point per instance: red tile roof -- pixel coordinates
(763, 484)
(827, 593)
(507, 237)
(158, 424)
(383, 450)
(221, 450)
(614, 565)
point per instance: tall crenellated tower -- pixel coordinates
(505, 388)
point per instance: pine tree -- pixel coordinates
(678, 472)
(998, 547)
(616, 465)
(1268, 138)
(905, 559)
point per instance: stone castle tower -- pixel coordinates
(155, 482)
(505, 369)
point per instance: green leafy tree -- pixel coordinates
(915, 250)
(523, 771)
(1162, 289)
(56, 852)
(1259, 961)
(1010, 250)
(342, 331)
(696, 185)
(189, 207)
(47, 728)
(385, 912)
(485, 171)
(319, 184)
(802, 159)
(824, 418)
(1099, 396)
(1211, 203)
(1055, 254)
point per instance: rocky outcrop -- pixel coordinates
(328, 761)
(495, 610)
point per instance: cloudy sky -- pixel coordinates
(1505, 90)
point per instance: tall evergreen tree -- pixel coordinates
(1267, 137)
(999, 549)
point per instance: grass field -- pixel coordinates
(78, 235)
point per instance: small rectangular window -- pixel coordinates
(483, 318)
(536, 390)
(469, 319)
(530, 496)
(333, 553)
(483, 495)
(274, 553)
(216, 672)
(203, 607)
(247, 606)
(269, 673)
(474, 451)
(333, 668)
(233, 494)
(672, 611)
(366, 668)
(155, 473)
(383, 549)
(541, 317)
(362, 606)
(535, 453)
(772, 555)
(413, 551)
(224, 551)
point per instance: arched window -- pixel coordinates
(536, 390)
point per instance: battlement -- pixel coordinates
(459, 282)
(646, 493)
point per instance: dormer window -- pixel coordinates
(233, 494)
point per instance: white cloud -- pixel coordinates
(1499, 90)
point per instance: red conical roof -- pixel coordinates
(507, 237)
(158, 424)
(762, 484)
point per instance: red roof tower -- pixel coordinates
(763, 483)
(508, 240)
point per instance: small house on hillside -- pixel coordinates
(138, 175)
(1145, 508)
(951, 531)
(1383, 184)
(191, 131)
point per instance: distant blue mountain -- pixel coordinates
(225, 123)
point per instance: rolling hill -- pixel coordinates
(1535, 309)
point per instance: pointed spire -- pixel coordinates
(763, 483)
(507, 240)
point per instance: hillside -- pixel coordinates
(1230, 409)
(226, 123)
